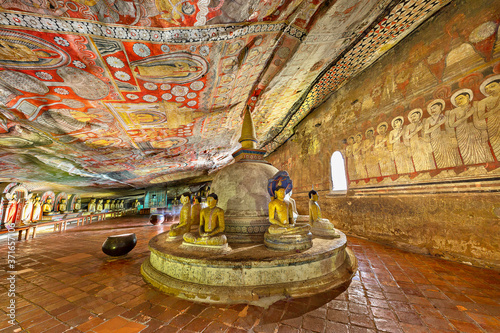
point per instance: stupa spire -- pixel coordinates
(248, 138)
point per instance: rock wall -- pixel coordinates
(429, 181)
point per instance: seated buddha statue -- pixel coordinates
(92, 206)
(100, 206)
(185, 221)
(107, 205)
(283, 234)
(78, 205)
(319, 226)
(281, 216)
(195, 212)
(61, 208)
(112, 205)
(211, 227)
(47, 207)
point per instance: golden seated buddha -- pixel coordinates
(92, 206)
(78, 205)
(281, 216)
(185, 220)
(319, 226)
(195, 212)
(283, 234)
(100, 205)
(211, 230)
(62, 206)
(47, 207)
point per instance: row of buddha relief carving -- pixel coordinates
(466, 134)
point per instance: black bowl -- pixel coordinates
(157, 219)
(119, 245)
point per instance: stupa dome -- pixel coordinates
(242, 191)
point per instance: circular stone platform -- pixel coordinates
(250, 273)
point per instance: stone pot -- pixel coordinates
(156, 219)
(119, 245)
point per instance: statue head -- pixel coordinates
(49, 200)
(212, 200)
(280, 192)
(313, 195)
(185, 198)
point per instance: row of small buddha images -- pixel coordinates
(32, 208)
(468, 134)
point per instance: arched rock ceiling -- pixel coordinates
(129, 93)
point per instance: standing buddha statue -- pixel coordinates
(37, 210)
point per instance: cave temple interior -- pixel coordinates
(388, 109)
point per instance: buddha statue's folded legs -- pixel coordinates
(178, 229)
(290, 229)
(192, 238)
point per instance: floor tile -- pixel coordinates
(69, 285)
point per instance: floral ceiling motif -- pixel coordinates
(125, 93)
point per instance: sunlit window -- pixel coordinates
(339, 178)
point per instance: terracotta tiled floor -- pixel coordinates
(67, 284)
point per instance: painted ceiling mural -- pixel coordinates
(117, 93)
